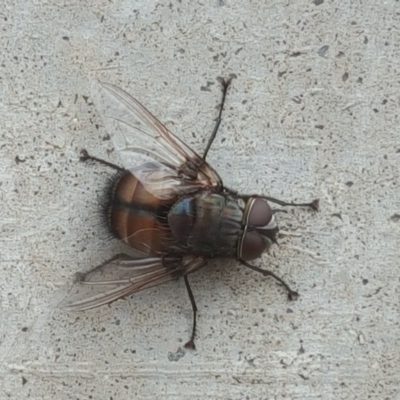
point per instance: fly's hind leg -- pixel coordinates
(85, 156)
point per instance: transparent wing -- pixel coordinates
(136, 134)
(163, 182)
(122, 276)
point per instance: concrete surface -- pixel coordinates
(314, 112)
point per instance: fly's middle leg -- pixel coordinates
(225, 85)
(190, 344)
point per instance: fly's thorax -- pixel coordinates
(207, 224)
(135, 216)
(259, 229)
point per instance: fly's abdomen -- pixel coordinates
(136, 216)
(207, 224)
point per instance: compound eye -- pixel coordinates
(260, 214)
(253, 246)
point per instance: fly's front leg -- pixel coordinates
(85, 156)
(291, 293)
(313, 205)
(225, 85)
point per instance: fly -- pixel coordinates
(173, 209)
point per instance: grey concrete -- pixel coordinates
(314, 112)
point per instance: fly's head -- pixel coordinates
(259, 229)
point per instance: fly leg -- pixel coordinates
(85, 156)
(119, 258)
(190, 343)
(314, 204)
(225, 86)
(179, 268)
(291, 293)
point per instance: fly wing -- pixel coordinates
(122, 276)
(163, 182)
(136, 132)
